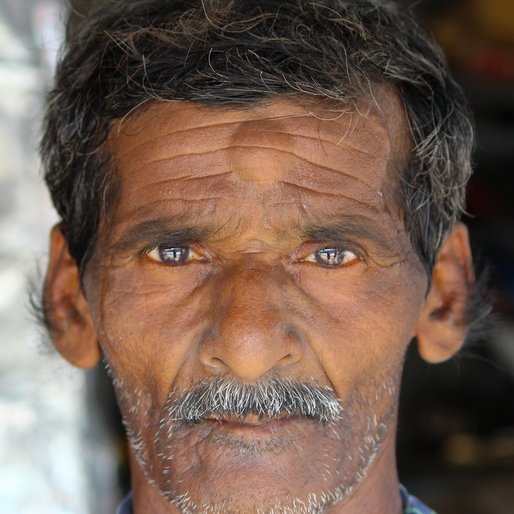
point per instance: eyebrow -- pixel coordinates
(170, 230)
(352, 230)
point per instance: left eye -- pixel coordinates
(331, 257)
(173, 255)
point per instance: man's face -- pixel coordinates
(250, 248)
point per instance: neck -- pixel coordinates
(377, 492)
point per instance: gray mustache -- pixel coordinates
(273, 398)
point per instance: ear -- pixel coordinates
(442, 325)
(66, 307)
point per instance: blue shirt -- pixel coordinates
(411, 505)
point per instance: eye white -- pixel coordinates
(331, 257)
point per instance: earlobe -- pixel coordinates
(67, 310)
(442, 324)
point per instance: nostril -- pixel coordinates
(287, 359)
(214, 364)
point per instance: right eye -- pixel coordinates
(173, 255)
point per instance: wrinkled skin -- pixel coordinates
(249, 303)
(247, 202)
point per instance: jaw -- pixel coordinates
(298, 466)
(377, 491)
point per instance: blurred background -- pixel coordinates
(62, 450)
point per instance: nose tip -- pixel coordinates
(248, 355)
(251, 335)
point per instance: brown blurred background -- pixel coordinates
(61, 438)
(456, 434)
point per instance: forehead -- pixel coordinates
(183, 157)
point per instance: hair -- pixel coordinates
(126, 55)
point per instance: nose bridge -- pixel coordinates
(251, 334)
(252, 291)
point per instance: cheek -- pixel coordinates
(148, 323)
(361, 322)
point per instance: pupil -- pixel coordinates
(330, 256)
(175, 255)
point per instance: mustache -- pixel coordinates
(273, 398)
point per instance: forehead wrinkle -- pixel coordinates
(328, 136)
(311, 191)
(311, 172)
(191, 174)
(308, 137)
(298, 135)
(153, 116)
(212, 169)
(188, 204)
(205, 167)
(231, 147)
(153, 188)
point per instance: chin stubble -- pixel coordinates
(274, 399)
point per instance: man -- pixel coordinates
(259, 206)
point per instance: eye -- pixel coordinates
(332, 257)
(173, 255)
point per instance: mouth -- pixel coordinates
(252, 435)
(252, 423)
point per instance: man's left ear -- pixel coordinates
(442, 324)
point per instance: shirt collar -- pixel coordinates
(126, 505)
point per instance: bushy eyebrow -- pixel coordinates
(351, 230)
(170, 230)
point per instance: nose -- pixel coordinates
(251, 334)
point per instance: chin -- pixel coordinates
(292, 466)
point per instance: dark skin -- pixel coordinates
(249, 244)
